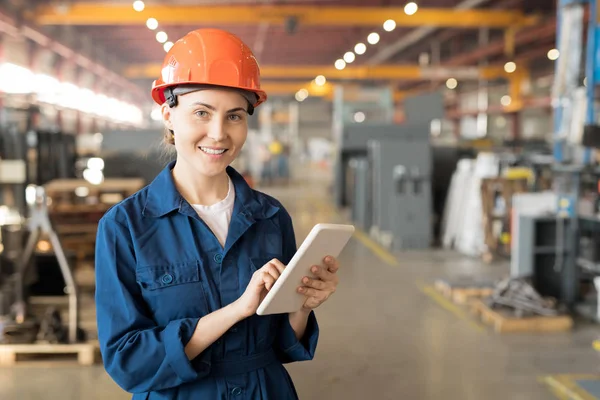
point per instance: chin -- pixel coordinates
(211, 168)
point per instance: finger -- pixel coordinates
(271, 270)
(310, 292)
(268, 280)
(278, 264)
(323, 274)
(314, 283)
(332, 264)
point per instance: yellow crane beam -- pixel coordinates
(105, 13)
(314, 90)
(378, 72)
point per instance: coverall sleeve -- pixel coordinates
(291, 349)
(139, 355)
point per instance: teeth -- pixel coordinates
(211, 151)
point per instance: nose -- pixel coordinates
(216, 130)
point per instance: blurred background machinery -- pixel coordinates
(460, 137)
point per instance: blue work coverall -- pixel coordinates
(159, 269)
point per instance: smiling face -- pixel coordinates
(210, 128)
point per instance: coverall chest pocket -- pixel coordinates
(173, 291)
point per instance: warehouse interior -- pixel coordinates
(458, 137)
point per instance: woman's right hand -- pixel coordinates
(261, 282)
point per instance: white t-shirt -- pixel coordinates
(218, 216)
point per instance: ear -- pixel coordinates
(167, 115)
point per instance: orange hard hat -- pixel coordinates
(209, 57)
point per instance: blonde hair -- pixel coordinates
(169, 137)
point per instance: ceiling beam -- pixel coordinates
(416, 35)
(123, 14)
(325, 91)
(381, 72)
(11, 27)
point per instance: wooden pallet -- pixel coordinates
(462, 295)
(85, 352)
(502, 322)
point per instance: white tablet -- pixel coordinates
(323, 240)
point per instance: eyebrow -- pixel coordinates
(198, 103)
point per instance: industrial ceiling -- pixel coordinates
(296, 40)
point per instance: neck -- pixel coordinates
(200, 189)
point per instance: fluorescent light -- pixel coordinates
(301, 95)
(360, 48)
(411, 8)
(20, 80)
(139, 5)
(349, 57)
(510, 67)
(320, 80)
(15, 79)
(389, 25)
(451, 83)
(373, 38)
(340, 64)
(553, 54)
(161, 37)
(152, 23)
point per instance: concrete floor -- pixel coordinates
(382, 335)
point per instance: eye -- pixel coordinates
(202, 113)
(234, 117)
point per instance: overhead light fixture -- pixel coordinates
(167, 46)
(161, 37)
(340, 64)
(349, 57)
(152, 23)
(373, 38)
(451, 83)
(320, 80)
(301, 95)
(553, 54)
(510, 67)
(506, 100)
(139, 5)
(360, 48)
(411, 8)
(359, 117)
(389, 25)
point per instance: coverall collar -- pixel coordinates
(164, 198)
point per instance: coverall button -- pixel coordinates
(236, 391)
(218, 258)
(167, 278)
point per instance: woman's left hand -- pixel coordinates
(317, 291)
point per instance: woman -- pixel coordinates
(182, 265)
